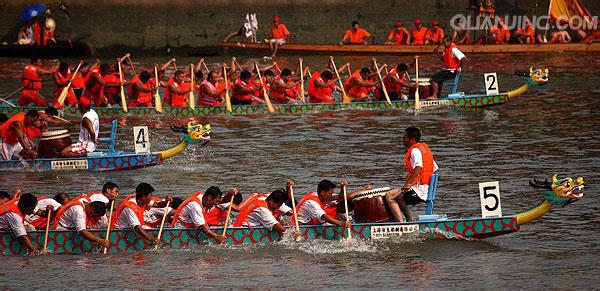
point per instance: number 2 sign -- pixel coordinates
(141, 140)
(489, 194)
(491, 83)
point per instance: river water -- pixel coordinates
(551, 129)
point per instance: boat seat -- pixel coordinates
(431, 194)
(112, 138)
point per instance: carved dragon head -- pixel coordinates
(194, 133)
(538, 76)
(561, 191)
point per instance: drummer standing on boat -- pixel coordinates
(421, 165)
(453, 60)
(88, 134)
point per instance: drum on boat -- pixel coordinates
(370, 206)
(52, 142)
(425, 89)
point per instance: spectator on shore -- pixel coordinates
(418, 33)
(356, 35)
(526, 34)
(435, 34)
(499, 33)
(461, 35)
(278, 36)
(398, 36)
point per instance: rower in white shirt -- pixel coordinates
(110, 191)
(258, 211)
(190, 214)
(78, 214)
(88, 134)
(312, 208)
(12, 217)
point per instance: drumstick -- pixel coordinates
(295, 213)
(162, 223)
(191, 96)
(387, 97)
(47, 230)
(157, 100)
(110, 214)
(122, 93)
(265, 95)
(65, 91)
(347, 215)
(228, 215)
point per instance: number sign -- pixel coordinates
(489, 194)
(141, 139)
(491, 83)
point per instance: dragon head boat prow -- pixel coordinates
(559, 191)
(194, 133)
(538, 76)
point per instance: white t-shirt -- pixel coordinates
(309, 210)
(128, 219)
(99, 197)
(13, 221)
(43, 205)
(191, 214)
(73, 218)
(261, 216)
(416, 160)
(84, 135)
(154, 214)
(282, 210)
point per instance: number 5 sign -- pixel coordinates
(491, 83)
(141, 140)
(489, 194)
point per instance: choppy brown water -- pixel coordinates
(552, 129)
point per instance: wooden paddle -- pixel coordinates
(65, 91)
(385, 92)
(227, 99)
(301, 82)
(12, 94)
(298, 235)
(417, 102)
(345, 98)
(112, 206)
(205, 67)
(162, 223)
(264, 89)
(191, 96)
(122, 93)
(47, 230)
(131, 64)
(7, 102)
(228, 215)
(347, 215)
(157, 99)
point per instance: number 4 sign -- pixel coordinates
(489, 194)
(491, 83)
(141, 140)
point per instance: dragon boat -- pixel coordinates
(558, 192)
(459, 100)
(112, 159)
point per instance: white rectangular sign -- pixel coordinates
(69, 165)
(491, 83)
(391, 231)
(489, 194)
(141, 139)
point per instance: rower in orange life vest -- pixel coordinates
(130, 213)
(453, 60)
(244, 89)
(190, 213)
(177, 91)
(321, 86)
(218, 214)
(17, 133)
(421, 165)
(110, 191)
(208, 93)
(258, 212)
(357, 87)
(38, 220)
(80, 214)
(282, 88)
(141, 90)
(31, 80)
(61, 77)
(313, 208)
(94, 86)
(394, 83)
(12, 216)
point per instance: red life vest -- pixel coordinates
(238, 95)
(314, 197)
(92, 86)
(250, 205)
(278, 93)
(177, 99)
(31, 79)
(79, 200)
(37, 33)
(139, 211)
(196, 197)
(40, 222)
(428, 163)
(319, 94)
(11, 206)
(450, 62)
(391, 86)
(260, 93)
(141, 98)
(355, 90)
(8, 135)
(205, 98)
(61, 79)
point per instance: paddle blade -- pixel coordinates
(192, 100)
(157, 102)
(345, 98)
(63, 94)
(269, 104)
(228, 102)
(123, 100)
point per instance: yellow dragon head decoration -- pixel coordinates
(561, 191)
(538, 76)
(194, 133)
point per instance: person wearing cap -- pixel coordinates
(418, 33)
(435, 34)
(356, 35)
(453, 60)
(278, 36)
(398, 36)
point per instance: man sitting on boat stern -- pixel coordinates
(130, 213)
(78, 215)
(313, 208)
(12, 216)
(190, 214)
(421, 165)
(88, 133)
(453, 60)
(257, 212)
(17, 133)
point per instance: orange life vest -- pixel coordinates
(314, 197)
(398, 37)
(238, 95)
(79, 200)
(319, 94)
(196, 197)
(30, 79)
(450, 62)
(418, 36)
(278, 93)
(11, 206)
(428, 163)
(7, 133)
(249, 206)
(139, 211)
(142, 98)
(177, 99)
(355, 90)
(92, 86)
(61, 79)
(391, 86)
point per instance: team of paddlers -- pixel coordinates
(142, 210)
(100, 83)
